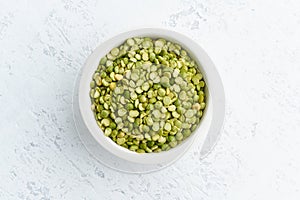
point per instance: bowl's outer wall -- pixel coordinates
(206, 67)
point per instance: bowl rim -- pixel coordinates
(202, 60)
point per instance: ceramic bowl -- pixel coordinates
(213, 105)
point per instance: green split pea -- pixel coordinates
(148, 95)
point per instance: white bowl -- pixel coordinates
(214, 101)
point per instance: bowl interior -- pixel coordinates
(196, 53)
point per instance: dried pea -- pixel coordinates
(147, 95)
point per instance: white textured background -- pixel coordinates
(255, 46)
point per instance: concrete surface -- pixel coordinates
(255, 46)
